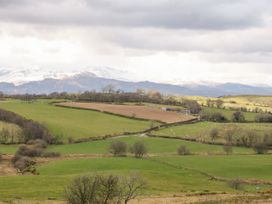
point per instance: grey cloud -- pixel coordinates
(175, 14)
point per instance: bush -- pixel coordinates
(260, 148)
(51, 154)
(38, 143)
(238, 117)
(183, 150)
(103, 189)
(23, 164)
(118, 148)
(30, 151)
(138, 149)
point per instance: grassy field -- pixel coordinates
(201, 130)
(156, 146)
(8, 149)
(74, 123)
(54, 176)
(231, 167)
(228, 113)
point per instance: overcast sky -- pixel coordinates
(160, 40)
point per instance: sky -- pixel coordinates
(173, 41)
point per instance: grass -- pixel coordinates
(54, 176)
(200, 131)
(8, 149)
(231, 167)
(157, 146)
(228, 113)
(67, 122)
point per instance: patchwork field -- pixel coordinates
(134, 111)
(166, 173)
(67, 122)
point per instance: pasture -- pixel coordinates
(74, 123)
(201, 131)
(155, 146)
(134, 111)
(228, 113)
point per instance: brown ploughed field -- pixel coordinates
(136, 111)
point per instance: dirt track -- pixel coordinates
(136, 111)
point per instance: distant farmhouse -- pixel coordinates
(178, 110)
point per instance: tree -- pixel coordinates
(183, 150)
(108, 89)
(214, 134)
(238, 117)
(138, 149)
(227, 148)
(132, 187)
(219, 103)
(101, 189)
(118, 148)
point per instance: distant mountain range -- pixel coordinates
(88, 81)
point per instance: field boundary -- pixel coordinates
(104, 137)
(212, 177)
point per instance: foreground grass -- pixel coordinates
(201, 131)
(54, 176)
(154, 146)
(66, 122)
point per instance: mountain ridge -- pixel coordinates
(88, 81)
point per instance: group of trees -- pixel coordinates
(234, 135)
(120, 148)
(104, 189)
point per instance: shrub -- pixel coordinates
(31, 151)
(183, 150)
(38, 143)
(51, 154)
(103, 189)
(118, 148)
(238, 117)
(260, 148)
(138, 149)
(23, 164)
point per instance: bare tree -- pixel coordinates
(132, 187)
(138, 149)
(118, 148)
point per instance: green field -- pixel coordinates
(201, 131)
(67, 122)
(231, 167)
(54, 176)
(156, 146)
(228, 113)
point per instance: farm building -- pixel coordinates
(178, 110)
